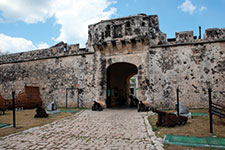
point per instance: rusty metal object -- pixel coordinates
(3, 105)
(166, 119)
(30, 98)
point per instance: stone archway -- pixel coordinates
(118, 80)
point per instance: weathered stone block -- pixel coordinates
(214, 34)
(186, 36)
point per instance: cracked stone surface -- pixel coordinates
(111, 129)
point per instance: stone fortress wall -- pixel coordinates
(187, 62)
(192, 67)
(53, 70)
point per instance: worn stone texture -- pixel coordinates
(186, 36)
(59, 50)
(127, 28)
(192, 69)
(186, 62)
(111, 129)
(52, 76)
(214, 33)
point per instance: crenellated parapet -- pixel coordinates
(59, 50)
(116, 50)
(214, 34)
(125, 32)
(187, 37)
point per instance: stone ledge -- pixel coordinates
(15, 60)
(188, 43)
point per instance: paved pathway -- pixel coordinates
(111, 129)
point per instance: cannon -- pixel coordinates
(98, 105)
(40, 112)
(143, 106)
(166, 119)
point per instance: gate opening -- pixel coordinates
(119, 83)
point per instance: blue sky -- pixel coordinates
(32, 24)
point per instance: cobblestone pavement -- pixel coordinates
(110, 129)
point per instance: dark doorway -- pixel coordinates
(118, 80)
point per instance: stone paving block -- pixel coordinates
(109, 129)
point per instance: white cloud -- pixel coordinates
(188, 7)
(202, 8)
(42, 45)
(10, 44)
(74, 16)
(14, 44)
(29, 11)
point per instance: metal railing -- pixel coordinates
(214, 109)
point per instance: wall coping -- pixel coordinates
(188, 43)
(41, 58)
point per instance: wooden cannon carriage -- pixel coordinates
(166, 119)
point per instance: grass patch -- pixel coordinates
(25, 120)
(196, 126)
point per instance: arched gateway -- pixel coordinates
(121, 46)
(116, 50)
(118, 83)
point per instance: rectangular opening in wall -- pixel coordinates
(72, 100)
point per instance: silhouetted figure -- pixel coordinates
(133, 101)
